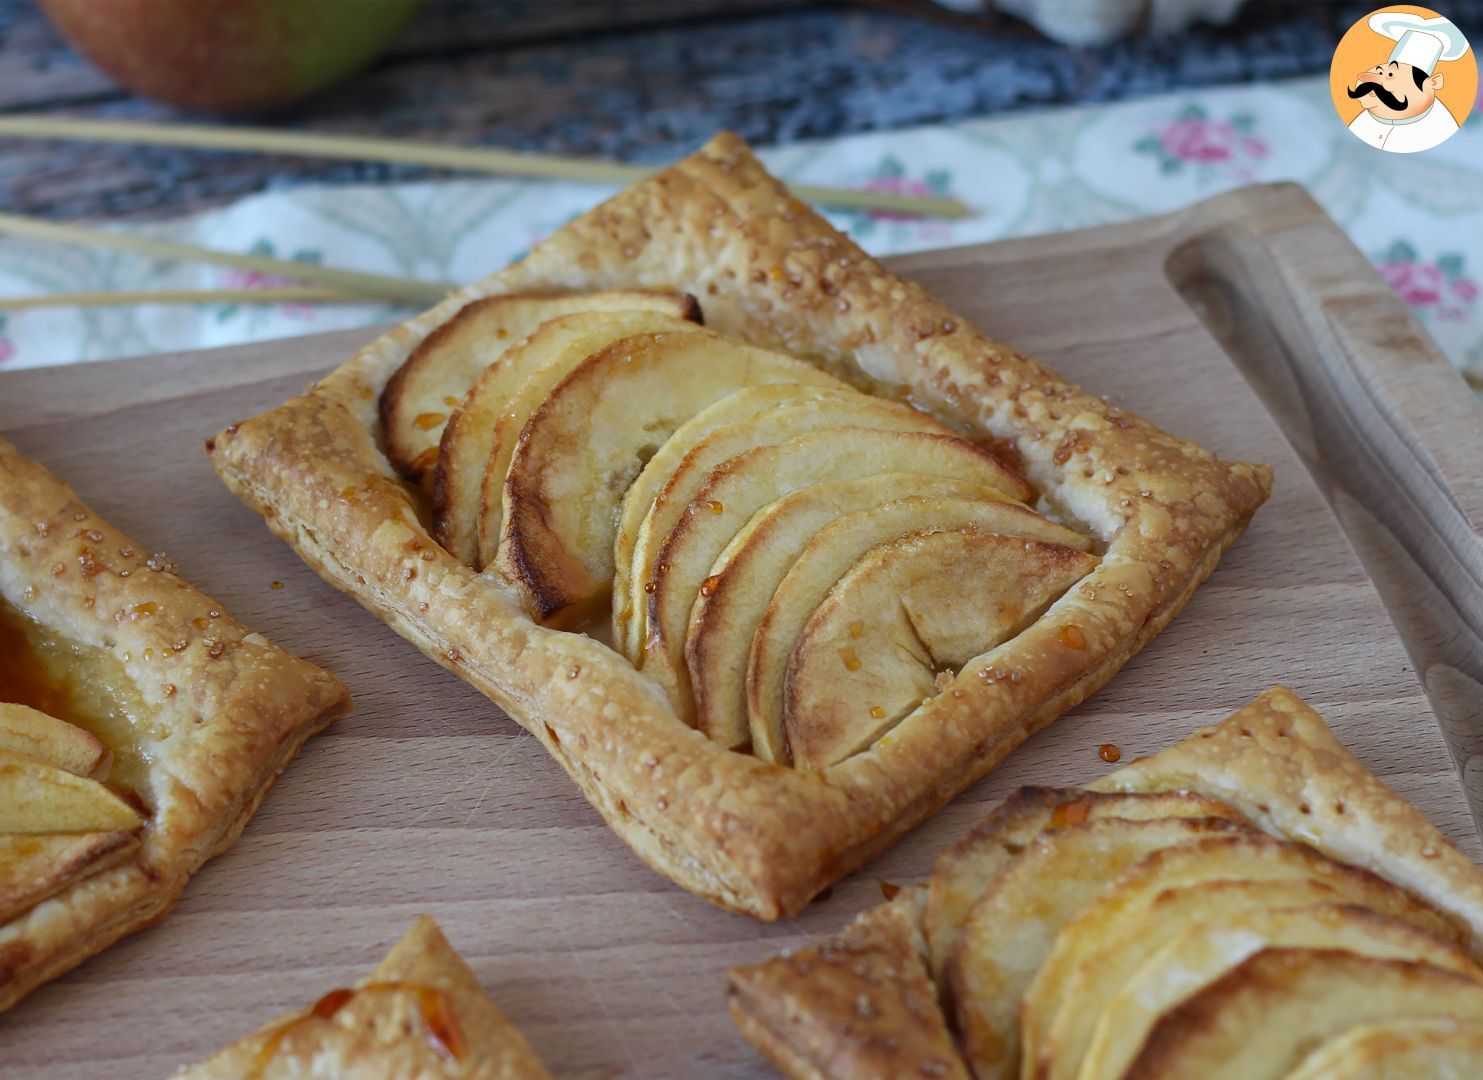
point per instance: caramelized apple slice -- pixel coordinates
(38, 797)
(688, 474)
(1398, 1050)
(1197, 956)
(1103, 949)
(29, 731)
(587, 442)
(421, 394)
(745, 575)
(1266, 1014)
(908, 612)
(1014, 925)
(480, 436)
(740, 487)
(35, 867)
(639, 499)
(962, 872)
(824, 562)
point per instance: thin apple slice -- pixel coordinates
(1102, 949)
(542, 373)
(1013, 926)
(38, 797)
(738, 488)
(422, 393)
(745, 575)
(688, 469)
(907, 613)
(586, 443)
(1434, 1046)
(963, 871)
(481, 433)
(36, 867)
(1265, 1015)
(39, 735)
(825, 560)
(1197, 956)
(1131, 918)
(645, 491)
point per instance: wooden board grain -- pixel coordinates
(427, 799)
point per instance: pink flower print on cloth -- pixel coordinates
(1216, 149)
(1441, 289)
(234, 278)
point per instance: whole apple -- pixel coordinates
(230, 55)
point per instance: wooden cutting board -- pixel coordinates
(428, 799)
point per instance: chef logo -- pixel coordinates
(1404, 79)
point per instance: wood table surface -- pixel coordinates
(428, 799)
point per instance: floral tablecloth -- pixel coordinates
(1419, 216)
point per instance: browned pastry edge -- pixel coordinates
(236, 709)
(859, 1004)
(370, 1034)
(757, 838)
(1272, 760)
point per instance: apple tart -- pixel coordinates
(420, 1015)
(772, 588)
(1249, 903)
(140, 726)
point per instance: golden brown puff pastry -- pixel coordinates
(757, 837)
(1302, 870)
(196, 716)
(420, 1015)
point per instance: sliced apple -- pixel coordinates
(964, 871)
(826, 559)
(586, 443)
(657, 499)
(1196, 956)
(35, 867)
(642, 494)
(1432, 1046)
(1102, 949)
(748, 570)
(38, 797)
(907, 613)
(1012, 928)
(39, 735)
(1266, 1014)
(422, 393)
(481, 432)
(740, 487)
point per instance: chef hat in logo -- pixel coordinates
(1419, 41)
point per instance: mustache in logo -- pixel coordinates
(1389, 100)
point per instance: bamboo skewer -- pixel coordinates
(412, 152)
(373, 286)
(272, 295)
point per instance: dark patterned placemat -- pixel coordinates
(639, 80)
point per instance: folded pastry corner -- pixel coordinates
(717, 510)
(420, 1015)
(860, 1003)
(140, 727)
(1194, 913)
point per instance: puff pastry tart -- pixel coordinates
(140, 726)
(1250, 903)
(420, 1015)
(833, 554)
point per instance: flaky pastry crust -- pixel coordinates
(756, 837)
(382, 1029)
(1274, 760)
(222, 710)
